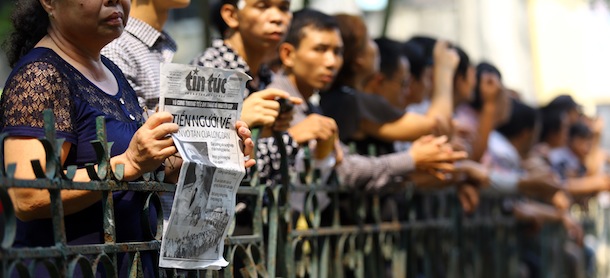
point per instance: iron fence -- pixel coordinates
(407, 234)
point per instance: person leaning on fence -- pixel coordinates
(55, 54)
(539, 198)
(251, 31)
(391, 83)
(373, 117)
(311, 56)
(553, 148)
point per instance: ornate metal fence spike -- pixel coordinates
(3, 171)
(147, 176)
(103, 151)
(104, 260)
(311, 210)
(119, 171)
(10, 170)
(10, 223)
(79, 262)
(52, 159)
(135, 270)
(70, 172)
(152, 202)
(160, 176)
(52, 148)
(38, 170)
(374, 233)
(18, 267)
(99, 170)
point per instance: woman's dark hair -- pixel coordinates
(30, 23)
(355, 37)
(523, 117)
(483, 67)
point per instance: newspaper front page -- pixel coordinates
(205, 103)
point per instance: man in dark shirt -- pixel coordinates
(311, 57)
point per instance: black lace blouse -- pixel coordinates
(42, 79)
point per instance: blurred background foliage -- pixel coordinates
(5, 25)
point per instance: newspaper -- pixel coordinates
(205, 103)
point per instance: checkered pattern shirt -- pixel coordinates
(222, 56)
(138, 53)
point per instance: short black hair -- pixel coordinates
(216, 17)
(523, 117)
(308, 18)
(427, 44)
(483, 67)
(564, 103)
(580, 130)
(418, 60)
(551, 122)
(389, 56)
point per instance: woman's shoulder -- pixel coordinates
(40, 63)
(39, 66)
(40, 55)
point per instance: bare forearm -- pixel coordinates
(409, 127)
(528, 211)
(32, 203)
(373, 173)
(441, 104)
(586, 186)
(486, 125)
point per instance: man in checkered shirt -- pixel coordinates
(252, 30)
(143, 46)
(140, 50)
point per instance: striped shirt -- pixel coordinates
(138, 52)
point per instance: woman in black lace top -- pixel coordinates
(55, 55)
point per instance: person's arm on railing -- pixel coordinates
(411, 126)
(373, 173)
(539, 214)
(148, 148)
(588, 185)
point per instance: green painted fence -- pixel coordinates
(358, 235)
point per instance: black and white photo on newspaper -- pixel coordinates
(205, 103)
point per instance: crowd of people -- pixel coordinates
(379, 113)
